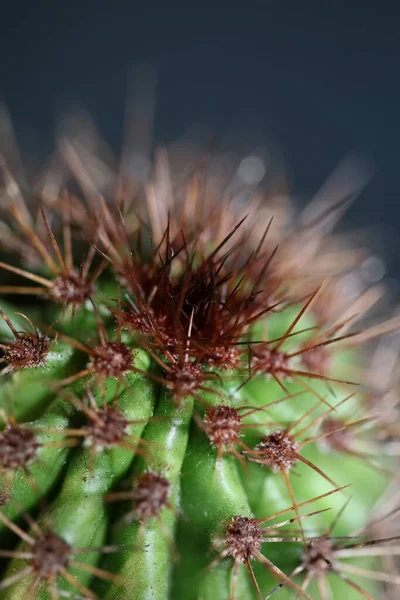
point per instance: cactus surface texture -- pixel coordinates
(194, 404)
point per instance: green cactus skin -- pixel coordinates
(82, 489)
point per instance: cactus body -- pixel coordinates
(186, 410)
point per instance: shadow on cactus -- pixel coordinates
(200, 375)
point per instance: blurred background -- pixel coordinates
(313, 80)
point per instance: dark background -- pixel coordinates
(318, 78)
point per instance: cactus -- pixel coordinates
(187, 409)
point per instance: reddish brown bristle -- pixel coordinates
(243, 538)
(226, 356)
(18, 447)
(27, 351)
(71, 289)
(269, 361)
(277, 451)
(4, 497)
(317, 558)
(129, 320)
(150, 495)
(111, 359)
(223, 424)
(109, 427)
(51, 556)
(184, 380)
